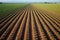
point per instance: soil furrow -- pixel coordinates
(51, 23)
(51, 29)
(46, 29)
(52, 16)
(29, 23)
(54, 21)
(19, 33)
(41, 33)
(4, 22)
(8, 30)
(54, 25)
(37, 34)
(10, 13)
(7, 24)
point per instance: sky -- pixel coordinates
(29, 0)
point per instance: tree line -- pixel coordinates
(0, 2)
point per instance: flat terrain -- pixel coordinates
(53, 9)
(6, 9)
(49, 7)
(30, 23)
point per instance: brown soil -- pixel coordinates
(30, 24)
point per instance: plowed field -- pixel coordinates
(30, 23)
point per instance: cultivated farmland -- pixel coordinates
(30, 23)
(50, 7)
(6, 9)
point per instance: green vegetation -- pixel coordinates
(7, 8)
(49, 7)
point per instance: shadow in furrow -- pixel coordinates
(53, 19)
(7, 16)
(46, 15)
(1, 26)
(9, 31)
(18, 28)
(49, 28)
(52, 24)
(12, 15)
(12, 28)
(43, 27)
(1, 32)
(4, 18)
(36, 28)
(23, 31)
(30, 30)
(7, 23)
